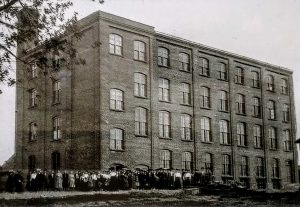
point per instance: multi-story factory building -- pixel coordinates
(147, 99)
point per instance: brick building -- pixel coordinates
(147, 99)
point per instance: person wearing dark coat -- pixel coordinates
(51, 180)
(65, 181)
(40, 180)
(10, 183)
(18, 178)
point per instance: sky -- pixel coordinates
(267, 30)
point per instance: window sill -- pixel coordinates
(206, 76)
(164, 66)
(258, 148)
(166, 138)
(116, 150)
(241, 114)
(227, 176)
(260, 178)
(32, 78)
(116, 54)
(187, 140)
(32, 141)
(205, 108)
(56, 140)
(241, 84)
(189, 105)
(141, 97)
(116, 110)
(32, 107)
(273, 149)
(142, 136)
(185, 71)
(285, 94)
(223, 111)
(243, 146)
(288, 150)
(141, 61)
(169, 102)
(226, 144)
(207, 142)
(276, 179)
(226, 80)
(272, 119)
(244, 176)
(286, 122)
(256, 87)
(56, 103)
(271, 91)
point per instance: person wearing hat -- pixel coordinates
(18, 179)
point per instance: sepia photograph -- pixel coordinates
(149, 103)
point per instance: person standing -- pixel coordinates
(58, 181)
(65, 180)
(71, 180)
(10, 183)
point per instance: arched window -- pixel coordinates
(239, 75)
(286, 112)
(163, 57)
(275, 168)
(205, 97)
(204, 67)
(184, 61)
(272, 134)
(226, 165)
(271, 110)
(260, 167)
(224, 132)
(185, 93)
(270, 83)
(256, 107)
(55, 161)
(287, 143)
(56, 128)
(241, 134)
(56, 92)
(141, 121)
(117, 139)
(257, 136)
(164, 124)
(223, 98)
(205, 127)
(222, 69)
(255, 79)
(116, 99)
(186, 127)
(187, 161)
(165, 159)
(240, 104)
(31, 162)
(164, 89)
(208, 162)
(33, 98)
(244, 166)
(115, 44)
(284, 86)
(140, 85)
(139, 50)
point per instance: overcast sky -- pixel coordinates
(267, 30)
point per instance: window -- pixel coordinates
(273, 138)
(226, 165)
(204, 67)
(140, 85)
(222, 71)
(116, 99)
(287, 143)
(185, 93)
(286, 112)
(289, 171)
(271, 110)
(224, 133)
(255, 79)
(240, 104)
(223, 98)
(241, 134)
(256, 107)
(244, 166)
(257, 136)
(32, 131)
(31, 162)
(164, 89)
(186, 127)
(56, 93)
(164, 124)
(163, 57)
(115, 44)
(141, 121)
(205, 129)
(270, 83)
(139, 50)
(260, 167)
(208, 162)
(239, 76)
(33, 70)
(275, 168)
(187, 161)
(165, 159)
(205, 97)
(184, 61)
(55, 161)
(117, 139)
(57, 59)
(56, 128)
(33, 98)
(284, 86)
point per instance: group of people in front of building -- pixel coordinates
(108, 180)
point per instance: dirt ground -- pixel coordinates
(136, 198)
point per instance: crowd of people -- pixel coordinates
(108, 180)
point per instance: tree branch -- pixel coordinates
(9, 4)
(10, 52)
(7, 24)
